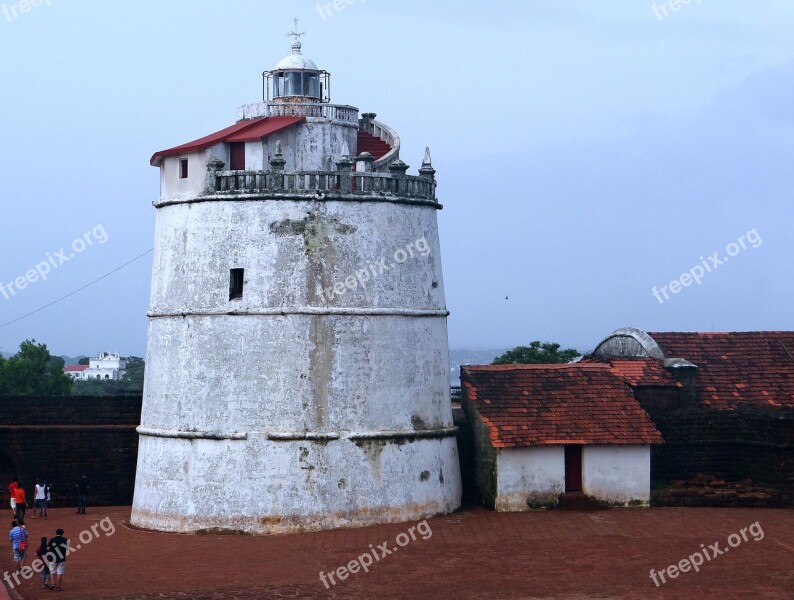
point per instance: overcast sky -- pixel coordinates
(587, 152)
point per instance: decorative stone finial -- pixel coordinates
(427, 162)
(344, 162)
(398, 168)
(277, 162)
(427, 169)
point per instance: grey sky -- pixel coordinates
(586, 151)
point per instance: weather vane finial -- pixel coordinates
(295, 33)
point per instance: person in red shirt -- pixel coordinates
(11, 487)
(22, 503)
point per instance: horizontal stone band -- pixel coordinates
(291, 436)
(299, 197)
(304, 311)
(190, 435)
(405, 434)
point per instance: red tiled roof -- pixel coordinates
(644, 372)
(737, 369)
(538, 405)
(75, 368)
(242, 131)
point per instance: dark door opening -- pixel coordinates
(8, 473)
(237, 156)
(573, 468)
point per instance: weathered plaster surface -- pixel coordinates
(298, 406)
(530, 477)
(617, 474)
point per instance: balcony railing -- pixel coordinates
(337, 112)
(321, 182)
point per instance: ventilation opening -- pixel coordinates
(236, 277)
(183, 168)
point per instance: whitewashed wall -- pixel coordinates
(617, 474)
(529, 477)
(228, 380)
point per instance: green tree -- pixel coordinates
(133, 378)
(34, 372)
(96, 387)
(85, 361)
(536, 353)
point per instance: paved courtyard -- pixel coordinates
(471, 554)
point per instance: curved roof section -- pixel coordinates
(629, 342)
(296, 60)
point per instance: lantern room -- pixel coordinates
(296, 78)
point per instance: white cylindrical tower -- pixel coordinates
(297, 362)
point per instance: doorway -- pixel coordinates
(573, 469)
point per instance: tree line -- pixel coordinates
(33, 371)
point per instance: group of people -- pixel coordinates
(19, 500)
(51, 554)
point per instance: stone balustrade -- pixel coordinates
(336, 112)
(322, 182)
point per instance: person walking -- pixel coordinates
(47, 498)
(19, 543)
(11, 487)
(21, 501)
(40, 500)
(59, 548)
(46, 577)
(82, 494)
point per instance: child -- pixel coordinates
(46, 578)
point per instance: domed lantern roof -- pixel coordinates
(295, 59)
(296, 78)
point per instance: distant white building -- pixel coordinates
(105, 366)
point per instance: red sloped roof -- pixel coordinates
(242, 131)
(264, 128)
(644, 372)
(737, 369)
(75, 368)
(539, 405)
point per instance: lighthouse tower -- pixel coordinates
(297, 364)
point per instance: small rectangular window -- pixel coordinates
(236, 277)
(183, 168)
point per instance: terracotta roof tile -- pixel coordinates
(580, 403)
(737, 369)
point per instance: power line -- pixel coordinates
(88, 285)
